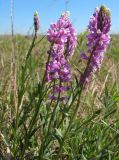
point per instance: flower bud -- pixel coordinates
(36, 21)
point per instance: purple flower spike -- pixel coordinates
(63, 39)
(98, 40)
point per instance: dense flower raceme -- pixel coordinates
(36, 21)
(98, 40)
(63, 43)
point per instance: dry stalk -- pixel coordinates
(13, 60)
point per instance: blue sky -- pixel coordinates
(50, 10)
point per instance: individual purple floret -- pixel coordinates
(98, 40)
(63, 40)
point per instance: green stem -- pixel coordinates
(45, 142)
(71, 120)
